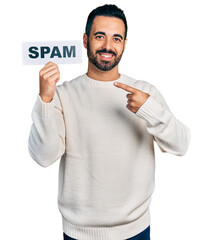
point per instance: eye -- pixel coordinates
(99, 37)
(117, 39)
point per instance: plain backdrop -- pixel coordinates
(169, 45)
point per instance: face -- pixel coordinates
(106, 43)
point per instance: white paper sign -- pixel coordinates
(60, 52)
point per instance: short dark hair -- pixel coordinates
(107, 10)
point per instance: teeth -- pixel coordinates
(107, 56)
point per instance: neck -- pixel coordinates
(97, 74)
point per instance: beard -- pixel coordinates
(103, 65)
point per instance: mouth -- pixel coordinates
(106, 56)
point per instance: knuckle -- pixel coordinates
(45, 77)
(55, 64)
(133, 98)
(132, 104)
(41, 72)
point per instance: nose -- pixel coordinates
(107, 44)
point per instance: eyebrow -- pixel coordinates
(103, 33)
(118, 35)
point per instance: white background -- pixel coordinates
(169, 45)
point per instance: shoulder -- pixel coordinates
(65, 89)
(146, 87)
(68, 87)
(69, 84)
(139, 84)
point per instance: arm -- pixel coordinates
(46, 141)
(47, 136)
(171, 135)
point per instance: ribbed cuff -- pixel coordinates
(46, 110)
(150, 110)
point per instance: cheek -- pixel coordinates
(120, 49)
(95, 45)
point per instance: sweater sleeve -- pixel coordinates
(46, 141)
(171, 135)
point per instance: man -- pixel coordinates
(102, 125)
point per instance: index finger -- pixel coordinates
(50, 64)
(125, 87)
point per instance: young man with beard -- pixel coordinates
(102, 125)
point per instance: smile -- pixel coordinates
(106, 56)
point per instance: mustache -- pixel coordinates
(106, 51)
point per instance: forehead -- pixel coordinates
(109, 25)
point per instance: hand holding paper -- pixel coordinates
(49, 75)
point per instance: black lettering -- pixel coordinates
(43, 51)
(33, 51)
(55, 52)
(69, 53)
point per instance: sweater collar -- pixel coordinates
(103, 84)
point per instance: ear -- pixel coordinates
(85, 40)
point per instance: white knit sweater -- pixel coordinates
(107, 167)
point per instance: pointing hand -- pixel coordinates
(136, 98)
